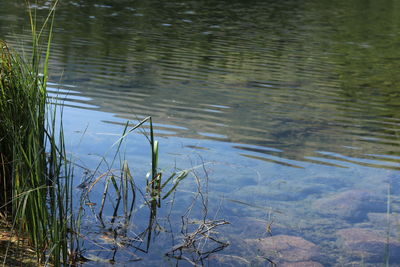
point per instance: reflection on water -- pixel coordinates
(296, 77)
(301, 91)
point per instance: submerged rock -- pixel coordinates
(285, 249)
(368, 245)
(251, 227)
(351, 205)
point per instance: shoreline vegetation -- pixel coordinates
(34, 177)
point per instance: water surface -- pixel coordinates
(289, 101)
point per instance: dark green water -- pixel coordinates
(290, 101)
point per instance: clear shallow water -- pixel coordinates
(291, 102)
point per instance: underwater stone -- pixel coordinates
(367, 244)
(251, 227)
(285, 248)
(351, 205)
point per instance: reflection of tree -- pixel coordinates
(275, 74)
(364, 51)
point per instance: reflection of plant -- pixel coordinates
(199, 243)
(195, 243)
(121, 192)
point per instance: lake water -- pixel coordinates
(292, 106)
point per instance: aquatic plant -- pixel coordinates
(119, 184)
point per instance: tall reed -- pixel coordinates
(34, 177)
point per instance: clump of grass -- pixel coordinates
(34, 174)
